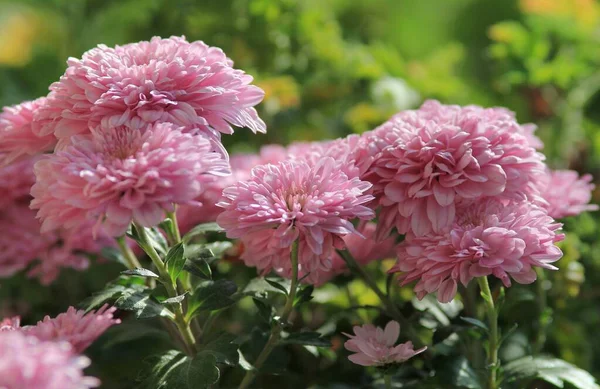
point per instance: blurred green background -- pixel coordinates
(333, 67)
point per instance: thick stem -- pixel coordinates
(277, 328)
(182, 325)
(388, 381)
(389, 305)
(130, 258)
(492, 316)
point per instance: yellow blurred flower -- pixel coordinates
(280, 93)
(19, 28)
(363, 117)
(585, 12)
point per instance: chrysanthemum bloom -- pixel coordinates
(76, 327)
(116, 176)
(506, 240)
(341, 150)
(430, 166)
(293, 200)
(566, 193)
(364, 249)
(16, 180)
(165, 80)
(17, 138)
(374, 346)
(23, 244)
(207, 210)
(28, 363)
(10, 324)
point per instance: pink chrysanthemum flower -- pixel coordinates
(78, 328)
(165, 80)
(364, 249)
(10, 324)
(207, 210)
(506, 240)
(433, 164)
(23, 244)
(117, 176)
(17, 138)
(16, 180)
(374, 346)
(28, 363)
(294, 200)
(566, 193)
(341, 150)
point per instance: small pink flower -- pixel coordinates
(17, 138)
(116, 176)
(78, 328)
(294, 200)
(431, 164)
(566, 193)
(171, 80)
(506, 240)
(16, 180)
(374, 346)
(10, 324)
(28, 363)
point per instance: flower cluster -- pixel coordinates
(48, 355)
(374, 346)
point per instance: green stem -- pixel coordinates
(277, 328)
(175, 237)
(388, 381)
(389, 305)
(544, 313)
(130, 259)
(492, 316)
(182, 325)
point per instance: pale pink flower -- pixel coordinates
(294, 200)
(170, 80)
(566, 193)
(341, 150)
(433, 164)
(17, 138)
(28, 363)
(78, 328)
(364, 249)
(374, 346)
(117, 176)
(23, 244)
(10, 324)
(503, 239)
(207, 210)
(16, 180)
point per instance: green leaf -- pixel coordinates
(110, 292)
(218, 248)
(552, 370)
(477, 323)
(175, 261)
(277, 285)
(211, 296)
(198, 267)
(264, 310)
(306, 338)
(304, 295)
(162, 368)
(131, 331)
(456, 372)
(202, 229)
(113, 254)
(174, 300)
(157, 239)
(140, 273)
(201, 372)
(142, 303)
(224, 348)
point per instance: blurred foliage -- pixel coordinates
(332, 67)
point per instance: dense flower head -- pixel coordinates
(116, 176)
(567, 194)
(499, 238)
(17, 138)
(364, 248)
(431, 164)
(23, 245)
(294, 200)
(341, 150)
(16, 180)
(76, 327)
(29, 363)
(189, 84)
(206, 209)
(374, 346)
